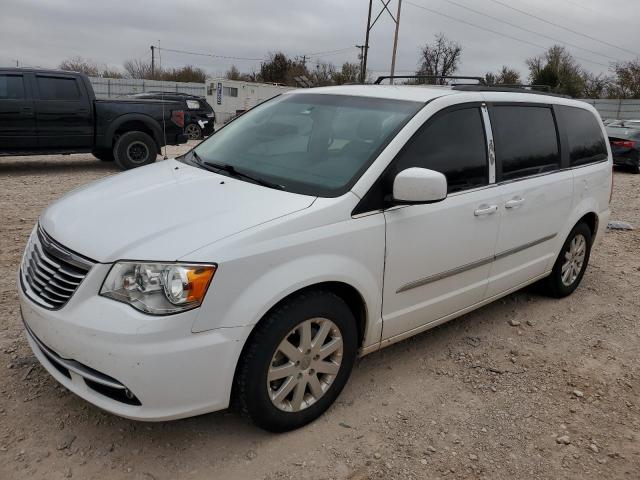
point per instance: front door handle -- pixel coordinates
(514, 203)
(485, 209)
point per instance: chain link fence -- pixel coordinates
(114, 87)
(616, 108)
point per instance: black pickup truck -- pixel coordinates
(55, 112)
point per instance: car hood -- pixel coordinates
(161, 212)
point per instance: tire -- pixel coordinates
(636, 168)
(134, 149)
(104, 154)
(320, 311)
(193, 131)
(554, 285)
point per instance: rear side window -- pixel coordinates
(586, 142)
(453, 144)
(11, 87)
(526, 140)
(58, 88)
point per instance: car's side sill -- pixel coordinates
(410, 333)
(470, 266)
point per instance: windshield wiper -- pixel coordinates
(234, 172)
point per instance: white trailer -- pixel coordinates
(231, 97)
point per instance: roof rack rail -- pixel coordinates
(509, 88)
(379, 80)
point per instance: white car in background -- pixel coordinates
(321, 225)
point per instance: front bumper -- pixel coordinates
(131, 364)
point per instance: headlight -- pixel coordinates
(158, 288)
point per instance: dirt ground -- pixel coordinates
(527, 387)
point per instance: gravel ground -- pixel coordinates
(527, 387)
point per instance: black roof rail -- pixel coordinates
(509, 89)
(379, 80)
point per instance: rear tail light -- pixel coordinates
(623, 143)
(177, 117)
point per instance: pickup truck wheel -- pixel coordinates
(134, 149)
(297, 361)
(103, 154)
(193, 131)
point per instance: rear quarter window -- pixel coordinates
(526, 140)
(586, 142)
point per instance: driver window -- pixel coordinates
(453, 143)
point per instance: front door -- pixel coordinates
(17, 119)
(438, 256)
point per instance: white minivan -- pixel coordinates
(322, 225)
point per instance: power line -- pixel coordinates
(210, 55)
(528, 30)
(327, 52)
(597, 12)
(495, 32)
(557, 25)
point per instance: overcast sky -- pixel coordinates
(45, 32)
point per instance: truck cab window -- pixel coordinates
(11, 87)
(58, 88)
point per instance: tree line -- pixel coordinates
(556, 70)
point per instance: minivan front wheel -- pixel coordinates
(297, 361)
(571, 263)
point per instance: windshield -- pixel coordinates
(313, 144)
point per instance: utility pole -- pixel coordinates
(363, 70)
(395, 42)
(361, 58)
(396, 20)
(153, 62)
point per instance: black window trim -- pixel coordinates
(370, 204)
(78, 83)
(564, 158)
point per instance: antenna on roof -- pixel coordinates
(164, 119)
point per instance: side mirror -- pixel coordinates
(419, 185)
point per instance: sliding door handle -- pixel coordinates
(485, 210)
(514, 202)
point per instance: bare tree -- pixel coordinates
(627, 82)
(349, 73)
(81, 65)
(323, 74)
(88, 67)
(597, 86)
(233, 73)
(137, 69)
(440, 58)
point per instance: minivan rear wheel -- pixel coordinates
(297, 361)
(571, 264)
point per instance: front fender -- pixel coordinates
(262, 293)
(260, 267)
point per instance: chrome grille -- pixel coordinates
(50, 273)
